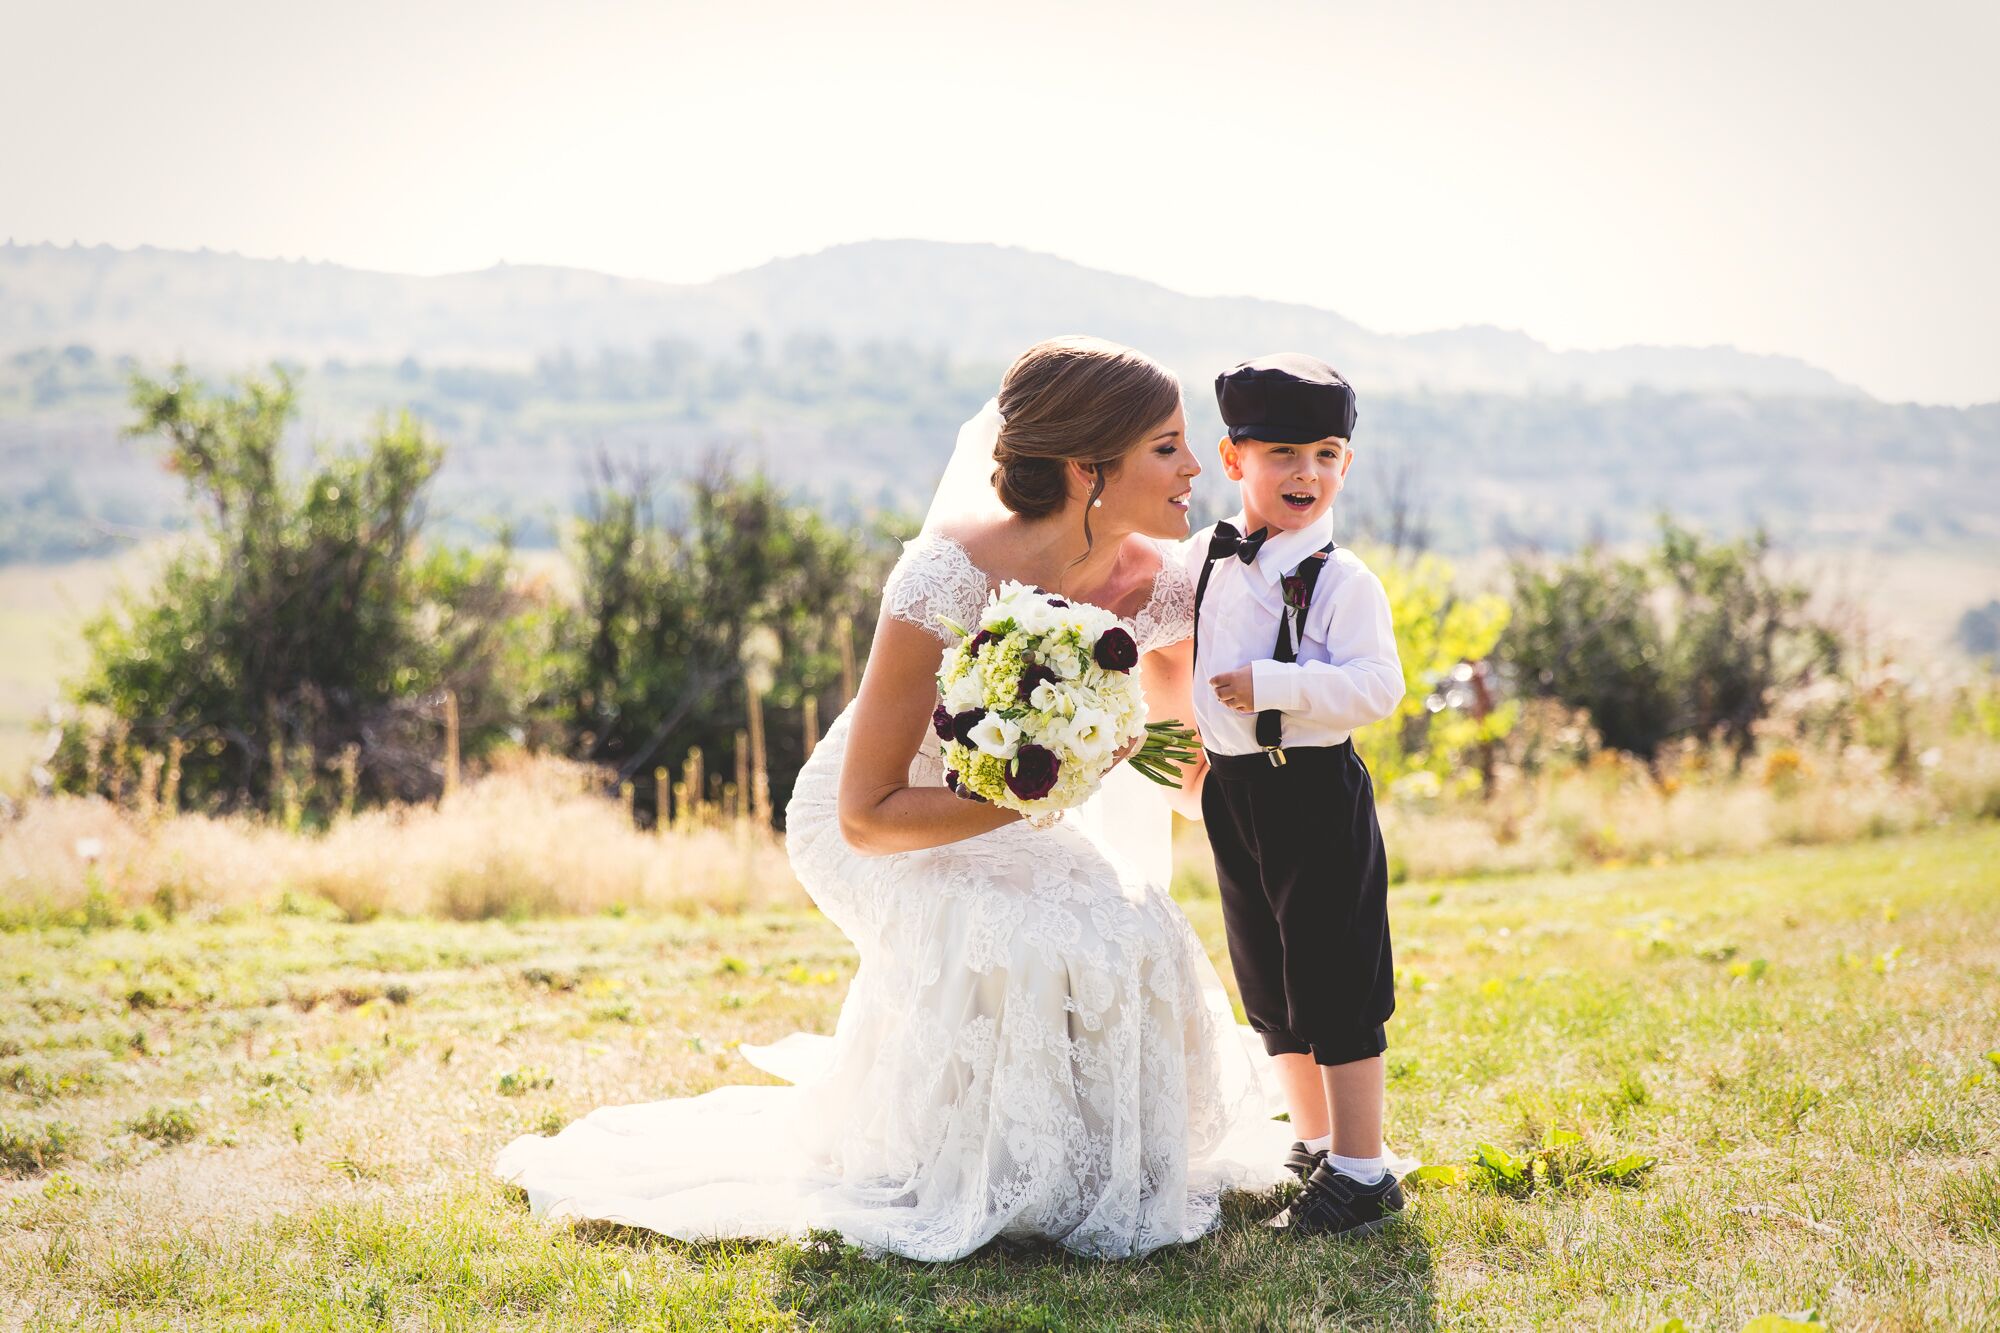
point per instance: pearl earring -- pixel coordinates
(1097, 504)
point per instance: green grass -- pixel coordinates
(286, 1121)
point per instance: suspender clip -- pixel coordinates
(1277, 756)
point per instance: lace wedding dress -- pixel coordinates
(1035, 1044)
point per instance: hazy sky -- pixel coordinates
(1811, 178)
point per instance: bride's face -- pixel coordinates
(1148, 492)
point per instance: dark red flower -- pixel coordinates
(980, 639)
(941, 722)
(1032, 676)
(1295, 591)
(963, 723)
(1115, 650)
(958, 788)
(1032, 775)
(1057, 601)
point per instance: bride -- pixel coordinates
(1035, 1044)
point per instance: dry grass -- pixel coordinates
(1613, 811)
(1801, 1039)
(535, 837)
(530, 838)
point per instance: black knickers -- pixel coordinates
(1305, 896)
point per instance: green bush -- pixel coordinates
(1695, 639)
(27, 1150)
(165, 1125)
(650, 661)
(296, 655)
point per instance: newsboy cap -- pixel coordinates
(1289, 398)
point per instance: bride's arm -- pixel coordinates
(1167, 675)
(880, 812)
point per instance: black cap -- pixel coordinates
(1289, 398)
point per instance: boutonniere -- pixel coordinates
(1294, 586)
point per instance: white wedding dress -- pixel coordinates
(1035, 1044)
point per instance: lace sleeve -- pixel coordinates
(1168, 616)
(934, 577)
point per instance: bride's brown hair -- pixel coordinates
(1074, 399)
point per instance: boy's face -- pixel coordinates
(1286, 487)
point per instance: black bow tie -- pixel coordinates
(1228, 541)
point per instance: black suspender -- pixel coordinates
(1270, 726)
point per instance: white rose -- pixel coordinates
(996, 736)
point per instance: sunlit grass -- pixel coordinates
(1799, 1039)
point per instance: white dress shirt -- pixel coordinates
(1347, 674)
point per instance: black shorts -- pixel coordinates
(1305, 896)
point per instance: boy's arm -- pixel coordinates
(1364, 681)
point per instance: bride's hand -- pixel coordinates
(1129, 749)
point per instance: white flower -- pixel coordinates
(997, 736)
(1091, 735)
(1034, 615)
(1085, 714)
(1092, 621)
(966, 692)
(1064, 660)
(1008, 601)
(1052, 699)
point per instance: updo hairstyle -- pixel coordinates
(1074, 399)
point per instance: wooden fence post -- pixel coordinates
(739, 805)
(843, 637)
(450, 742)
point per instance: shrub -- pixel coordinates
(303, 624)
(165, 1125)
(1446, 728)
(650, 662)
(27, 1150)
(1697, 640)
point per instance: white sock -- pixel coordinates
(1320, 1144)
(1361, 1170)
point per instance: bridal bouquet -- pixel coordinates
(1038, 701)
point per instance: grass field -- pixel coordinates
(282, 1120)
(42, 612)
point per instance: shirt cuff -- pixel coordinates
(1274, 684)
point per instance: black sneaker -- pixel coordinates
(1301, 1160)
(1333, 1204)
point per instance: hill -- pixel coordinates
(977, 303)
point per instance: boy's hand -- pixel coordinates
(1235, 690)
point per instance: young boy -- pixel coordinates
(1294, 641)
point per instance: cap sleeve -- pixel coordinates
(1168, 616)
(934, 577)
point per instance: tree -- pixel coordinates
(650, 663)
(1697, 640)
(1583, 633)
(304, 623)
(1979, 631)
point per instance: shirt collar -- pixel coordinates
(1283, 550)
